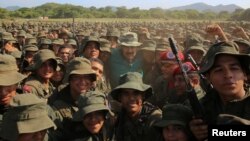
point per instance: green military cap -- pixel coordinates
(90, 102)
(27, 114)
(114, 32)
(129, 39)
(72, 42)
(29, 36)
(21, 33)
(45, 41)
(40, 57)
(9, 74)
(7, 36)
(17, 54)
(175, 114)
(131, 80)
(227, 47)
(197, 47)
(30, 47)
(32, 41)
(79, 65)
(58, 42)
(162, 45)
(149, 45)
(90, 39)
(81, 33)
(41, 34)
(105, 45)
(242, 41)
(193, 40)
(232, 120)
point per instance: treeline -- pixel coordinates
(54, 10)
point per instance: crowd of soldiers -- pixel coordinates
(121, 81)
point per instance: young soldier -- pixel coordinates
(226, 69)
(134, 123)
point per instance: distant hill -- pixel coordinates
(13, 8)
(205, 7)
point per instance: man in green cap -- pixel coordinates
(79, 78)
(43, 68)
(226, 69)
(9, 79)
(93, 113)
(136, 118)
(125, 58)
(174, 123)
(26, 120)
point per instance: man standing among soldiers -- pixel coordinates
(135, 120)
(226, 69)
(126, 58)
(80, 78)
(9, 79)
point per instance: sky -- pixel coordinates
(142, 4)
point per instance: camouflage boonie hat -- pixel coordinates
(90, 39)
(21, 33)
(229, 48)
(113, 33)
(79, 65)
(148, 45)
(42, 56)
(17, 54)
(105, 45)
(58, 42)
(129, 39)
(72, 42)
(7, 36)
(27, 114)
(45, 41)
(9, 74)
(193, 40)
(32, 41)
(131, 80)
(175, 114)
(90, 102)
(30, 48)
(197, 47)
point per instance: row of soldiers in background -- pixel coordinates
(78, 71)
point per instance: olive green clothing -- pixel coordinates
(103, 86)
(162, 90)
(141, 128)
(183, 99)
(33, 85)
(65, 106)
(213, 106)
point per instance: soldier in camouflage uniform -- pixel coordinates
(174, 123)
(80, 78)
(9, 79)
(42, 69)
(26, 120)
(135, 120)
(226, 69)
(92, 114)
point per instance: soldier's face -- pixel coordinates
(227, 77)
(179, 84)
(7, 93)
(129, 53)
(80, 83)
(174, 133)
(132, 101)
(98, 69)
(46, 70)
(36, 136)
(94, 121)
(91, 50)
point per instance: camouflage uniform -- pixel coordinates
(64, 104)
(33, 83)
(93, 101)
(28, 114)
(9, 75)
(139, 128)
(212, 101)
